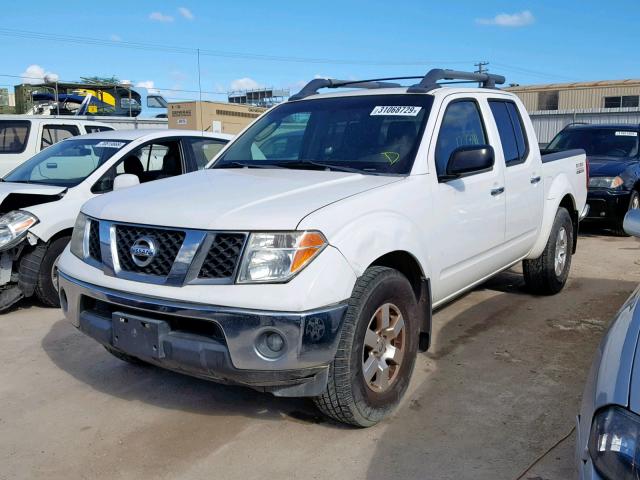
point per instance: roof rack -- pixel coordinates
(426, 84)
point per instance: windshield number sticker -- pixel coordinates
(626, 134)
(105, 144)
(403, 111)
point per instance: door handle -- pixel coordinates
(497, 191)
(535, 180)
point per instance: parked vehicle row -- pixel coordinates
(614, 178)
(41, 198)
(306, 261)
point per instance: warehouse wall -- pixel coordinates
(547, 124)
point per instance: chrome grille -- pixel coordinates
(223, 256)
(168, 244)
(94, 240)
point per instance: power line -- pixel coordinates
(9, 32)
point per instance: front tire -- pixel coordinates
(47, 285)
(377, 350)
(547, 274)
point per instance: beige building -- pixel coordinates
(606, 95)
(217, 117)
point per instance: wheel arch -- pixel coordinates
(407, 264)
(569, 203)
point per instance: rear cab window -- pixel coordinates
(97, 128)
(14, 136)
(511, 130)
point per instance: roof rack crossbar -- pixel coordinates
(430, 80)
(316, 84)
(426, 84)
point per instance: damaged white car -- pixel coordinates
(40, 199)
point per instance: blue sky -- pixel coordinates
(527, 41)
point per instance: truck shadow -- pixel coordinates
(90, 363)
(501, 383)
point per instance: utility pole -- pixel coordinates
(481, 68)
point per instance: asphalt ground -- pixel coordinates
(499, 388)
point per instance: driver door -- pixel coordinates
(470, 210)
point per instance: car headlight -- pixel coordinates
(614, 444)
(77, 237)
(15, 225)
(274, 257)
(606, 182)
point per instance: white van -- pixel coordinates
(21, 137)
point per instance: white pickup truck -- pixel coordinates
(306, 261)
(22, 136)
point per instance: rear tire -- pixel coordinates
(46, 287)
(547, 274)
(634, 203)
(374, 362)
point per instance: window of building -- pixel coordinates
(625, 101)
(548, 100)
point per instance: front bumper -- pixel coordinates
(607, 205)
(213, 342)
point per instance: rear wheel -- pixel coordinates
(634, 204)
(547, 274)
(377, 350)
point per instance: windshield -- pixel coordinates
(607, 142)
(67, 163)
(375, 134)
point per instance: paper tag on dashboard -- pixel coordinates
(626, 134)
(106, 144)
(401, 110)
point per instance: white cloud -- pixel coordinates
(160, 17)
(35, 74)
(186, 13)
(115, 38)
(520, 19)
(245, 83)
(149, 85)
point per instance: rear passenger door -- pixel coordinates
(54, 133)
(470, 209)
(522, 179)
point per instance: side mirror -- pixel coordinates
(631, 223)
(469, 160)
(125, 180)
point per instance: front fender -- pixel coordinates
(366, 238)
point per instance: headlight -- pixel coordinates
(14, 225)
(278, 256)
(77, 237)
(605, 182)
(614, 444)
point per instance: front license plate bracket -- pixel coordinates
(138, 336)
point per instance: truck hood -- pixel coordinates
(24, 195)
(232, 199)
(608, 166)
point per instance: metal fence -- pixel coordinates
(548, 123)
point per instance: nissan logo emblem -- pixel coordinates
(143, 251)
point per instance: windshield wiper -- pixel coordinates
(245, 165)
(329, 166)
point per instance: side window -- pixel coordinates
(97, 128)
(204, 149)
(518, 128)
(150, 162)
(54, 133)
(461, 127)
(511, 132)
